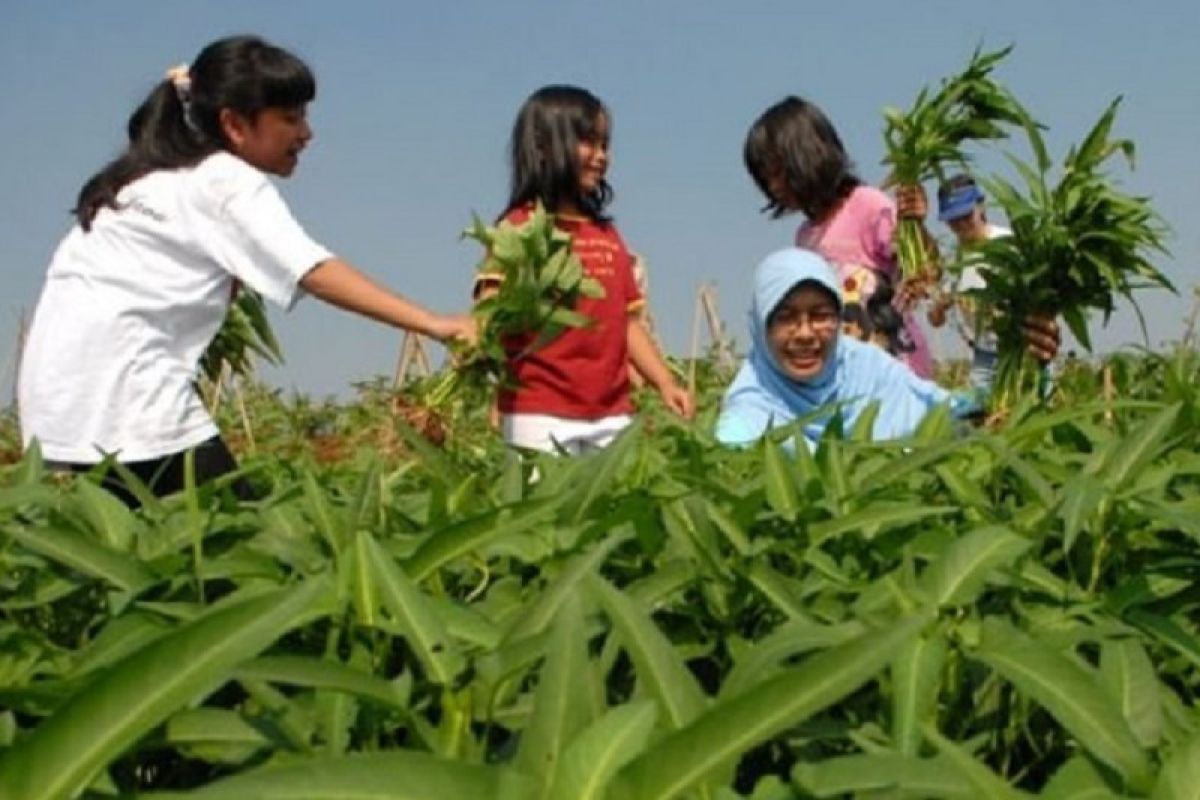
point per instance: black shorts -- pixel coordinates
(165, 475)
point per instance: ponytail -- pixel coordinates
(242, 73)
(159, 138)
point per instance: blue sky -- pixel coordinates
(415, 102)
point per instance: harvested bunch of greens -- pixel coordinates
(1074, 247)
(538, 281)
(244, 332)
(921, 142)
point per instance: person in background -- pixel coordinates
(961, 205)
(573, 394)
(800, 365)
(796, 158)
(163, 237)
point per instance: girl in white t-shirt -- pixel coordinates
(163, 236)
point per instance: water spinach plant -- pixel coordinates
(932, 135)
(1005, 613)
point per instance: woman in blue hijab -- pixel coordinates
(799, 362)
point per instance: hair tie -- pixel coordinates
(180, 77)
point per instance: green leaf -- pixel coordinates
(1080, 498)
(537, 615)
(916, 679)
(659, 667)
(1071, 695)
(460, 538)
(68, 750)
(686, 757)
(1167, 631)
(1078, 779)
(782, 494)
(325, 674)
(859, 774)
(596, 754)
(1180, 776)
(83, 555)
(1127, 672)
(958, 576)
(987, 785)
(108, 517)
(790, 639)
(558, 712)
(873, 520)
(396, 775)
(597, 471)
(415, 615)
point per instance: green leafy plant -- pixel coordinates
(534, 282)
(922, 141)
(1077, 244)
(246, 332)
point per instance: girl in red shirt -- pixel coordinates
(573, 393)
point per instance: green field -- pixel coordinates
(972, 613)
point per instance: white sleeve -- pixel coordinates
(256, 238)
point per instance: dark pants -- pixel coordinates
(165, 475)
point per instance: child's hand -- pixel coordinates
(678, 399)
(1042, 336)
(910, 293)
(911, 202)
(457, 327)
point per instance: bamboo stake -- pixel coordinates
(695, 352)
(402, 362)
(1189, 330)
(218, 386)
(241, 402)
(22, 335)
(716, 328)
(422, 356)
(1109, 393)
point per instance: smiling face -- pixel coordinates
(592, 156)
(802, 331)
(271, 140)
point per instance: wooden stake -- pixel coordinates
(695, 352)
(1189, 329)
(215, 401)
(716, 328)
(22, 334)
(241, 401)
(402, 362)
(1109, 393)
(412, 354)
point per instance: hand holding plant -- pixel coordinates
(538, 281)
(1075, 246)
(931, 134)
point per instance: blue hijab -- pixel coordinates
(855, 375)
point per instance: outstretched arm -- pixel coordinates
(340, 284)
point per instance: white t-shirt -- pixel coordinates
(130, 306)
(971, 278)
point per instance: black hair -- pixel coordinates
(544, 155)
(887, 320)
(174, 128)
(796, 137)
(854, 312)
(831, 295)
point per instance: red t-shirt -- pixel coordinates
(583, 373)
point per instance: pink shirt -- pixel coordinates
(857, 240)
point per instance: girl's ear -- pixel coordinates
(234, 128)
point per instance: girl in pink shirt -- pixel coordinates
(797, 159)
